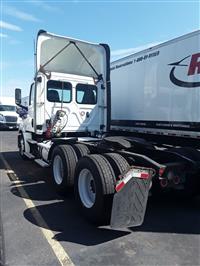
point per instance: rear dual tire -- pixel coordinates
(95, 181)
(118, 163)
(94, 178)
(81, 150)
(63, 164)
(94, 188)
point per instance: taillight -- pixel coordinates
(161, 171)
(144, 176)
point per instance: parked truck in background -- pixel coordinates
(69, 128)
(9, 119)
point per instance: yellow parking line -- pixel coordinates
(57, 248)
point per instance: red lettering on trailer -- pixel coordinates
(194, 64)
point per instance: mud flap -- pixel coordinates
(129, 204)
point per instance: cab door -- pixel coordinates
(29, 120)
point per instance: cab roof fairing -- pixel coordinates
(70, 60)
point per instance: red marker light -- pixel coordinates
(144, 175)
(161, 171)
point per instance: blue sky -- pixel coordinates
(127, 26)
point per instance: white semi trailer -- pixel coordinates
(155, 96)
(68, 128)
(158, 89)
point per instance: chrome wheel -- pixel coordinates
(58, 172)
(86, 188)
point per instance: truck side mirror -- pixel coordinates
(18, 97)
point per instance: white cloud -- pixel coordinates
(116, 54)
(13, 78)
(2, 35)
(14, 41)
(4, 65)
(14, 12)
(7, 88)
(45, 6)
(28, 63)
(8, 26)
(9, 40)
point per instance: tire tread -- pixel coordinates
(118, 162)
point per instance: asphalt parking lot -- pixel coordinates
(40, 228)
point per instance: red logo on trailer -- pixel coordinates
(194, 68)
(194, 65)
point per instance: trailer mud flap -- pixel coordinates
(129, 203)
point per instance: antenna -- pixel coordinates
(62, 95)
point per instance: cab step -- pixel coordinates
(29, 155)
(41, 163)
(31, 141)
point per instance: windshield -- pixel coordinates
(8, 108)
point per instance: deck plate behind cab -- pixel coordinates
(129, 204)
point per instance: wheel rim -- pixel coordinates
(86, 188)
(58, 169)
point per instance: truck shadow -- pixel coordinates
(60, 214)
(37, 191)
(172, 214)
(26, 170)
(168, 215)
(64, 218)
(28, 174)
(165, 215)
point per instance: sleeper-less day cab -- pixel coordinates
(68, 128)
(9, 119)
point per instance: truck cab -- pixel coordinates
(67, 128)
(70, 92)
(9, 119)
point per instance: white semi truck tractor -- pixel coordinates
(9, 119)
(68, 128)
